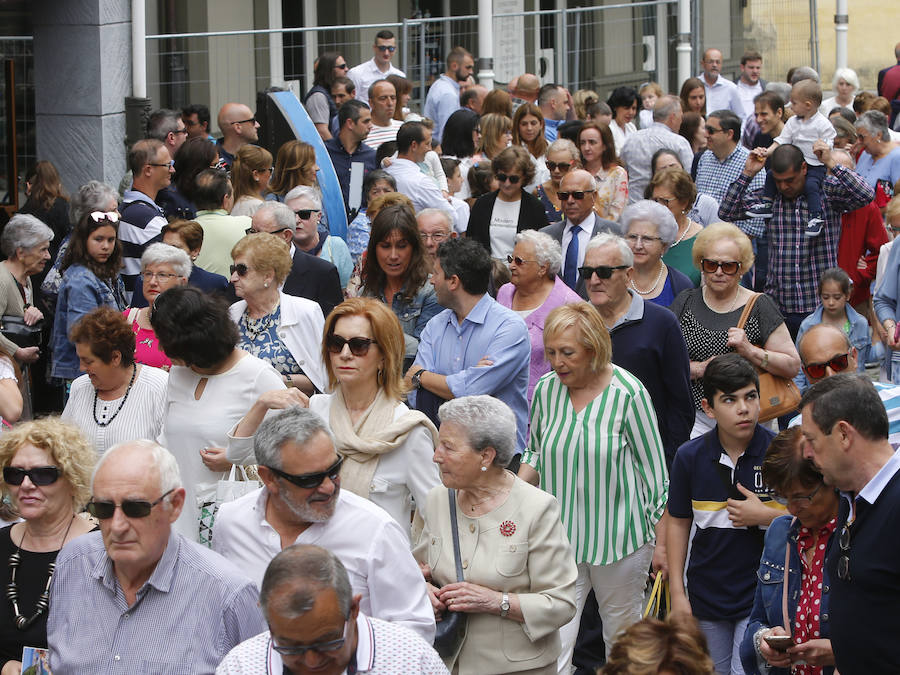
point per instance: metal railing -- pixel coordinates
(19, 49)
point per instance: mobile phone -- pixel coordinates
(779, 643)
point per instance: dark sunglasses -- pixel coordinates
(342, 66)
(359, 346)
(562, 166)
(311, 480)
(502, 177)
(843, 566)
(602, 271)
(252, 120)
(837, 363)
(386, 48)
(39, 475)
(519, 261)
(305, 214)
(729, 267)
(240, 268)
(578, 195)
(132, 508)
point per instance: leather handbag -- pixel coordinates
(777, 395)
(15, 328)
(450, 631)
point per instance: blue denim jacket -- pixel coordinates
(80, 292)
(766, 610)
(859, 338)
(414, 314)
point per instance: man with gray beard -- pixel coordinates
(301, 502)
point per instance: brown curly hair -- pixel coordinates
(105, 330)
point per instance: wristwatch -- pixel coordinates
(504, 605)
(417, 378)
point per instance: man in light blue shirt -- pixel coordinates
(475, 346)
(443, 96)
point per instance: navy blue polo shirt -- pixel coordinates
(721, 572)
(341, 159)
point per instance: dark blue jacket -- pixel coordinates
(766, 610)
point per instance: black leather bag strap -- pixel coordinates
(455, 529)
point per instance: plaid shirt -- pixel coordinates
(796, 262)
(714, 177)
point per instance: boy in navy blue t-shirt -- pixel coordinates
(716, 485)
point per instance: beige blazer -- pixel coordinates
(11, 303)
(534, 561)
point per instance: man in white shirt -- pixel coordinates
(315, 624)
(301, 502)
(443, 96)
(376, 68)
(413, 143)
(749, 84)
(721, 93)
(383, 102)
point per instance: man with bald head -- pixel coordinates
(524, 89)
(473, 97)
(147, 588)
(239, 127)
(576, 194)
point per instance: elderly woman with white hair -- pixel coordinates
(162, 267)
(306, 203)
(650, 230)
(518, 569)
(26, 244)
(879, 162)
(535, 288)
(845, 84)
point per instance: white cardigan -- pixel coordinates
(301, 328)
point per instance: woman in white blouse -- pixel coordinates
(624, 104)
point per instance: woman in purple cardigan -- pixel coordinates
(535, 290)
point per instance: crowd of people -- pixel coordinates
(566, 346)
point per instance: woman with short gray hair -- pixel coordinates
(845, 84)
(650, 230)
(534, 290)
(162, 267)
(879, 163)
(26, 244)
(519, 571)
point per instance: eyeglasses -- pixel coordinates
(305, 214)
(320, 647)
(160, 276)
(502, 177)
(578, 195)
(784, 501)
(359, 346)
(712, 130)
(251, 230)
(240, 268)
(640, 239)
(665, 201)
(180, 131)
(169, 165)
(39, 475)
(729, 267)
(837, 363)
(519, 261)
(562, 166)
(311, 480)
(437, 237)
(843, 566)
(342, 66)
(132, 508)
(252, 120)
(602, 271)
(388, 48)
(100, 216)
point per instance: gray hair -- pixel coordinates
(665, 106)
(295, 424)
(163, 460)
(297, 575)
(305, 192)
(486, 422)
(163, 254)
(443, 213)
(92, 196)
(609, 239)
(23, 231)
(848, 75)
(564, 145)
(783, 89)
(875, 122)
(547, 250)
(281, 213)
(650, 211)
(804, 73)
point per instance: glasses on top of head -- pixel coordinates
(602, 271)
(132, 508)
(797, 499)
(837, 363)
(843, 566)
(359, 346)
(39, 475)
(311, 480)
(100, 216)
(320, 647)
(729, 267)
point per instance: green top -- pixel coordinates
(680, 257)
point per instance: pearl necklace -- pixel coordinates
(682, 235)
(733, 300)
(662, 268)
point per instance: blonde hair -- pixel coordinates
(265, 252)
(68, 449)
(592, 333)
(710, 234)
(386, 199)
(493, 129)
(892, 210)
(651, 646)
(247, 159)
(388, 336)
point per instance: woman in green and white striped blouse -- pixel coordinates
(595, 445)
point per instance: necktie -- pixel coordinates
(570, 273)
